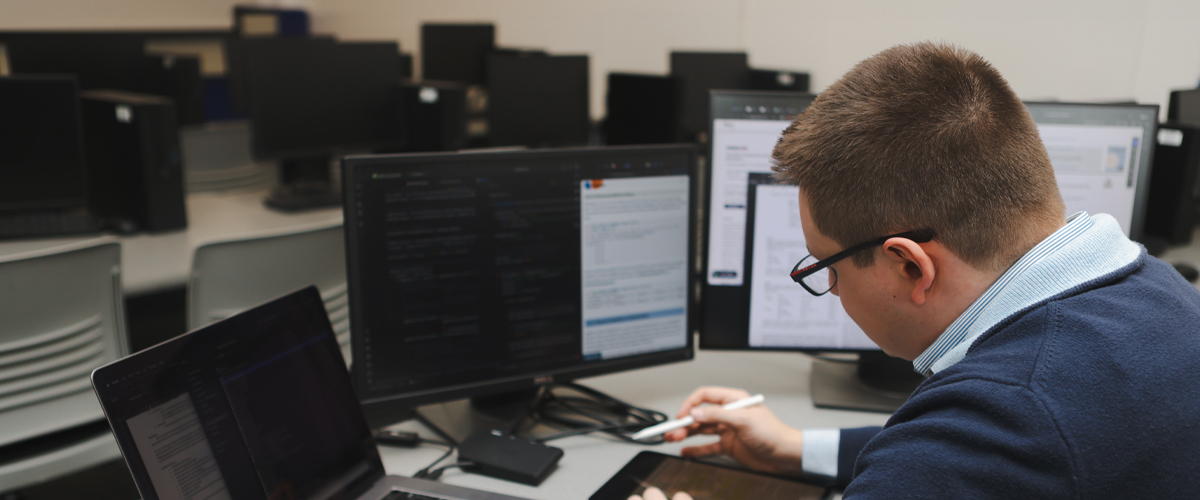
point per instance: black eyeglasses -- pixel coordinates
(818, 278)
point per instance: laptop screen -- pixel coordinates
(257, 406)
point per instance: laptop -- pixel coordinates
(258, 406)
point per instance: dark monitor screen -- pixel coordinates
(481, 273)
(642, 109)
(1101, 155)
(538, 101)
(258, 406)
(456, 52)
(41, 144)
(310, 97)
(700, 72)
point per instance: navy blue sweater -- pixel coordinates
(1094, 393)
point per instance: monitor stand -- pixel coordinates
(455, 420)
(305, 184)
(877, 382)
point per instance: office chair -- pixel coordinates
(232, 275)
(62, 318)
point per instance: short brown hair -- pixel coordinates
(924, 136)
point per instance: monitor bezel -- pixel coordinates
(374, 404)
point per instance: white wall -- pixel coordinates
(1065, 49)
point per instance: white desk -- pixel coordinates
(156, 261)
(590, 460)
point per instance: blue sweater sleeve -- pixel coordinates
(967, 439)
(851, 444)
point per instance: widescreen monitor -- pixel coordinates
(456, 52)
(1100, 160)
(477, 274)
(310, 97)
(41, 144)
(698, 73)
(538, 100)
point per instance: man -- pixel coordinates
(1062, 361)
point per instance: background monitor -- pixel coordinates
(310, 97)
(538, 101)
(456, 52)
(1101, 155)
(1100, 162)
(698, 73)
(41, 144)
(476, 274)
(642, 109)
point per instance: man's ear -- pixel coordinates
(913, 265)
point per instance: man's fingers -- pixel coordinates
(653, 493)
(681, 496)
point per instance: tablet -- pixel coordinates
(704, 481)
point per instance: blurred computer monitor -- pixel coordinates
(698, 73)
(538, 101)
(456, 52)
(41, 144)
(642, 109)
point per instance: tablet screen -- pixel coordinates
(703, 481)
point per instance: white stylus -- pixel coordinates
(671, 425)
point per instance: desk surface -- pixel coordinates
(589, 460)
(157, 261)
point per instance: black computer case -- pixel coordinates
(135, 167)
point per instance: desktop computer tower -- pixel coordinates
(135, 166)
(434, 115)
(179, 78)
(1171, 204)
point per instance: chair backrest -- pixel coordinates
(232, 275)
(61, 316)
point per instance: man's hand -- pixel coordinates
(752, 436)
(653, 493)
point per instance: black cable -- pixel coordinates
(436, 442)
(424, 473)
(590, 410)
(436, 473)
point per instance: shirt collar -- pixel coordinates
(1083, 249)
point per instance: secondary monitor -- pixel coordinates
(491, 273)
(1100, 162)
(642, 109)
(698, 73)
(538, 100)
(456, 52)
(312, 97)
(41, 144)
(1101, 155)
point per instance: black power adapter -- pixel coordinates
(506, 457)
